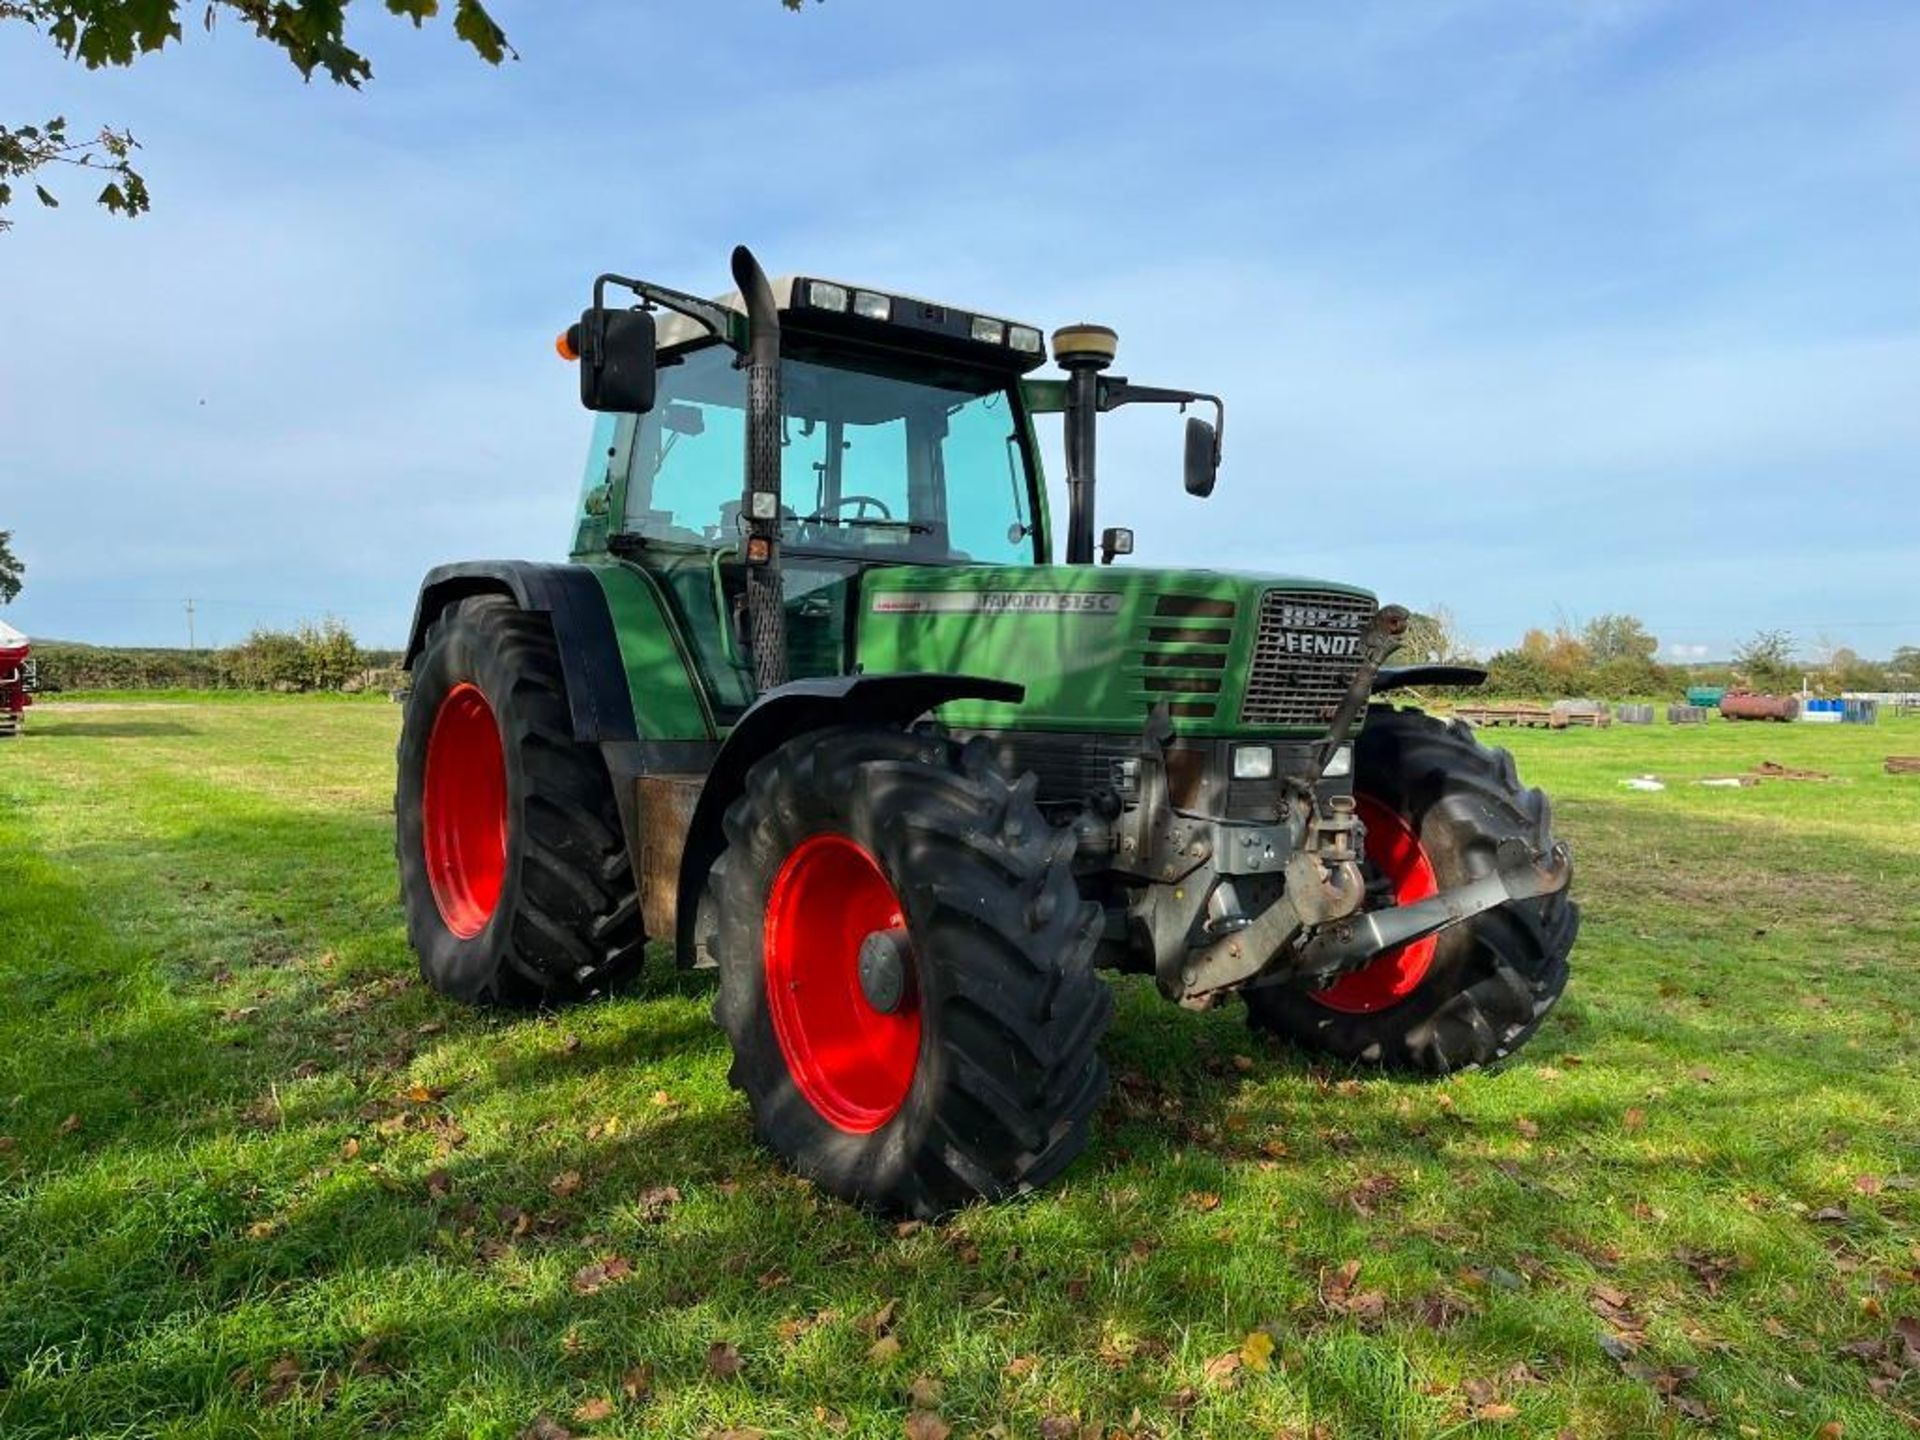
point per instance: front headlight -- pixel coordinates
(1253, 762)
(1341, 764)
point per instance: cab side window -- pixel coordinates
(689, 452)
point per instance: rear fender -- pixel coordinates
(777, 717)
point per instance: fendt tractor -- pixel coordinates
(814, 705)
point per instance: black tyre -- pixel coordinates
(906, 971)
(514, 875)
(1437, 805)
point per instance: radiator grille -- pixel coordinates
(1305, 656)
(1181, 659)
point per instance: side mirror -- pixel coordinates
(617, 364)
(1203, 457)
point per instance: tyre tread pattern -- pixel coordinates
(1013, 1010)
(1494, 978)
(574, 924)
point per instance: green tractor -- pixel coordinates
(813, 705)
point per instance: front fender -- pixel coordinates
(790, 710)
(1400, 677)
(575, 604)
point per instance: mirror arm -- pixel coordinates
(718, 320)
(1116, 390)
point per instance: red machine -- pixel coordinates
(16, 679)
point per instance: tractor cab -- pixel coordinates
(904, 439)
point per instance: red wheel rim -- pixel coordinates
(1394, 974)
(854, 1063)
(463, 811)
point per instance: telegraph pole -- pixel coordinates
(190, 645)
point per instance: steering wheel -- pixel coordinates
(864, 502)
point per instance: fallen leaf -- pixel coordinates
(1831, 1215)
(637, 1383)
(1909, 1332)
(598, 1408)
(70, 1124)
(1499, 1410)
(1059, 1427)
(881, 1321)
(1635, 1119)
(566, 1183)
(925, 1425)
(439, 1183)
(1243, 1063)
(1256, 1351)
(1869, 1184)
(545, 1427)
(595, 1277)
(1528, 1130)
(283, 1380)
(1222, 1369)
(884, 1351)
(924, 1393)
(1832, 1430)
(1204, 1200)
(1021, 1366)
(1437, 1312)
(723, 1360)
(657, 1202)
(426, 1095)
(907, 1228)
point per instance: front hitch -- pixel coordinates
(1331, 950)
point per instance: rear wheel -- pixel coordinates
(1437, 805)
(906, 971)
(513, 871)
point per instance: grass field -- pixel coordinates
(256, 1180)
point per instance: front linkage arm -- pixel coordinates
(1347, 943)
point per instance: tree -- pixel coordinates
(330, 655)
(1766, 660)
(1904, 667)
(1432, 637)
(1618, 637)
(1520, 674)
(10, 569)
(101, 33)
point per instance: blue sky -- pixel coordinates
(1536, 310)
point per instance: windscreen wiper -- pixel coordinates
(912, 527)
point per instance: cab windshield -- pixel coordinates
(874, 464)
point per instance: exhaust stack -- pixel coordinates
(760, 506)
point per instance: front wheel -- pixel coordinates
(1437, 805)
(906, 971)
(513, 870)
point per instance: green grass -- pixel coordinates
(256, 1180)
